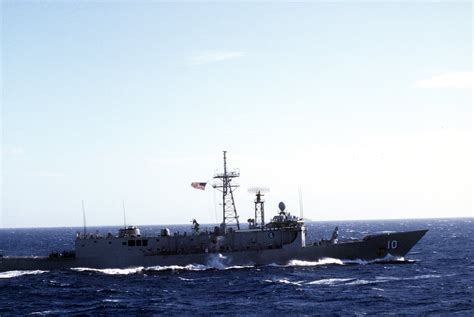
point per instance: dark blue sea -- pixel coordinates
(435, 278)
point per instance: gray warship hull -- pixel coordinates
(370, 248)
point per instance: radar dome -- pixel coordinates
(282, 206)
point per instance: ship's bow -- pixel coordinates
(395, 244)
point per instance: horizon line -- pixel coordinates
(203, 224)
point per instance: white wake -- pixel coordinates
(12, 274)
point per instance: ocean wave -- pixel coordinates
(197, 267)
(385, 279)
(42, 313)
(328, 261)
(285, 281)
(324, 261)
(218, 263)
(158, 268)
(12, 274)
(364, 282)
(351, 281)
(378, 289)
(189, 267)
(330, 281)
(417, 277)
(387, 259)
(111, 300)
(111, 271)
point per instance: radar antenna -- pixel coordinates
(229, 212)
(259, 205)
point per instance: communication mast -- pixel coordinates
(259, 205)
(229, 212)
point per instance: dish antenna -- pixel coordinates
(259, 210)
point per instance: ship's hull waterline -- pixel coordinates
(396, 244)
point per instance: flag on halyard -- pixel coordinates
(197, 185)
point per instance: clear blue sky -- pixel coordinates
(366, 106)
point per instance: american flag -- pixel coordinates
(197, 185)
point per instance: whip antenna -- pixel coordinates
(124, 216)
(301, 201)
(84, 217)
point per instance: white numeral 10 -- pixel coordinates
(392, 244)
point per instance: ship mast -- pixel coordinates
(259, 220)
(229, 212)
(259, 211)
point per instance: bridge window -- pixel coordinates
(139, 243)
(131, 243)
(145, 243)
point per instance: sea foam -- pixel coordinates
(159, 268)
(12, 274)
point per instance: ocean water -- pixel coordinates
(435, 278)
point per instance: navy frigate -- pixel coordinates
(279, 241)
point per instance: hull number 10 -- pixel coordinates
(392, 244)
